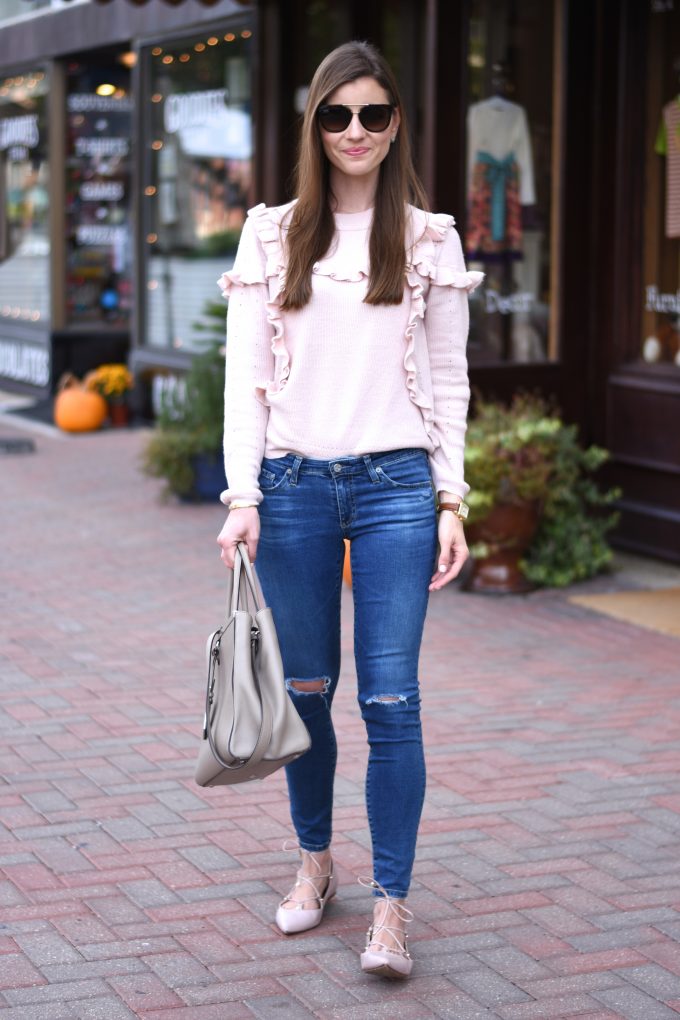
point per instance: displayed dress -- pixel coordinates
(500, 178)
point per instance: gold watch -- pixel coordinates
(460, 509)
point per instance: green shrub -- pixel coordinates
(523, 452)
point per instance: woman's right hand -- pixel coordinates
(240, 526)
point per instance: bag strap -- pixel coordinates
(242, 579)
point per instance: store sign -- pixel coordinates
(90, 102)
(24, 363)
(207, 127)
(18, 135)
(102, 147)
(507, 304)
(656, 302)
(102, 191)
(191, 109)
(92, 233)
(165, 389)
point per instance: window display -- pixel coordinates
(197, 183)
(660, 339)
(98, 228)
(507, 232)
(24, 202)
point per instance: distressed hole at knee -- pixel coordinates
(387, 699)
(316, 685)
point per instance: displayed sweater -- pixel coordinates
(340, 377)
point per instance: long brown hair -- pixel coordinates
(311, 228)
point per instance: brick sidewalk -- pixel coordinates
(547, 883)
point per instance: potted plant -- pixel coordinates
(536, 512)
(113, 382)
(185, 448)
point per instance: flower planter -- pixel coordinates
(209, 478)
(507, 532)
(119, 414)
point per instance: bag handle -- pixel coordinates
(243, 575)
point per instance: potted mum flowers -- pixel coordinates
(113, 382)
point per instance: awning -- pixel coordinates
(176, 3)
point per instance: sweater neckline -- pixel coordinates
(353, 221)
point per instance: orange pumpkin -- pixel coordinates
(347, 566)
(77, 409)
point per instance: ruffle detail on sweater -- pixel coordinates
(344, 274)
(232, 278)
(268, 225)
(427, 231)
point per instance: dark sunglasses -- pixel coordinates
(373, 116)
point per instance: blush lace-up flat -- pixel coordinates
(378, 957)
(292, 920)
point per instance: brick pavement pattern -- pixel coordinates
(547, 883)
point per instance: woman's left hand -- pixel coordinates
(453, 550)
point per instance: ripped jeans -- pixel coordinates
(384, 503)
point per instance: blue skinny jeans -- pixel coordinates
(384, 503)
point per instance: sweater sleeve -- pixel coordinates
(249, 361)
(446, 329)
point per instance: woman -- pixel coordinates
(346, 402)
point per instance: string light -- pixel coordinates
(246, 33)
(184, 57)
(151, 238)
(199, 47)
(229, 37)
(168, 59)
(157, 50)
(156, 97)
(213, 40)
(157, 145)
(150, 190)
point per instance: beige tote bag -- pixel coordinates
(251, 726)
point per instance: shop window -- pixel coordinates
(98, 228)
(24, 202)
(659, 339)
(197, 177)
(15, 10)
(510, 181)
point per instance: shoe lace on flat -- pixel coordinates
(401, 912)
(290, 845)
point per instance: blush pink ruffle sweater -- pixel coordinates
(340, 377)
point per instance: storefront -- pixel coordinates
(115, 222)
(641, 383)
(549, 128)
(24, 227)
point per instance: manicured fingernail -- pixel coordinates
(442, 568)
